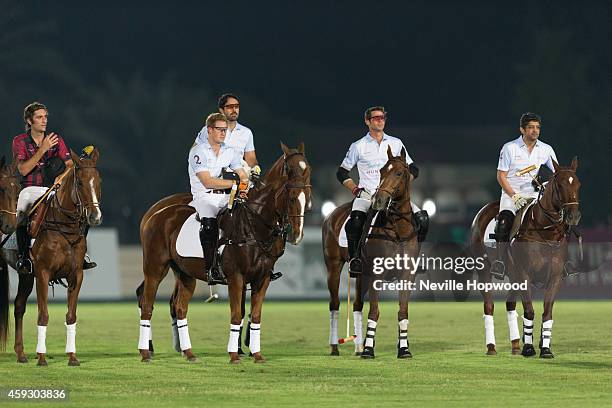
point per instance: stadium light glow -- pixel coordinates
(327, 208)
(430, 207)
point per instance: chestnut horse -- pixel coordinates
(538, 257)
(392, 234)
(58, 253)
(253, 233)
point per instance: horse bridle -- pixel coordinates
(406, 169)
(291, 185)
(3, 210)
(550, 214)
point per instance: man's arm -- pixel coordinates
(216, 183)
(503, 182)
(26, 166)
(250, 158)
(58, 179)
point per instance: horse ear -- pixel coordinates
(285, 149)
(403, 154)
(574, 164)
(389, 152)
(94, 155)
(555, 165)
(301, 148)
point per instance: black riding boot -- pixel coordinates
(354, 228)
(88, 263)
(23, 264)
(209, 236)
(505, 219)
(422, 221)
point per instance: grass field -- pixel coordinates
(449, 367)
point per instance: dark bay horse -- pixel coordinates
(58, 253)
(538, 256)
(392, 234)
(253, 233)
(9, 191)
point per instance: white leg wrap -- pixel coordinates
(175, 336)
(255, 343)
(333, 327)
(489, 329)
(232, 344)
(41, 346)
(183, 332)
(546, 333)
(370, 333)
(145, 334)
(527, 331)
(358, 325)
(513, 325)
(71, 338)
(403, 333)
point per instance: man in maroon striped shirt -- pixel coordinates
(32, 150)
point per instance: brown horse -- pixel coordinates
(254, 237)
(9, 191)
(58, 253)
(538, 257)
(393, 234)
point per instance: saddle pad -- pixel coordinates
(342, 241)
(11, 243)
(489, 241)
(188, 241)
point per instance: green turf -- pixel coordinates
(449, 367)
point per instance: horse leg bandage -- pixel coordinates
(183, 332)
(41, 346)
(546, 333)
(71, 338)
(358, 325)
(232, 344)
(513, 325)
(255, 344)
(145, 335)
(527, 331)
(489, 329)
(175, 336)
(333, 327)
(403, 333)
(370, 333)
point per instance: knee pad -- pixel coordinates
(209, 230)
(354, 226)
(422, 219)
(505, 219)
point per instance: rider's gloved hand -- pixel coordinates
(519, 200)
(357, 190)
(243, 189)
(255, 173)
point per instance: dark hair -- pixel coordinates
(223, 99)
(530, 117)
(368, 112)
(28, 113)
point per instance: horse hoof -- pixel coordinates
(146, 360)
(334, 352)
(404, 353)
(258, 358)
(546, 353)
(368, 353)
(358, 353)
(42, 363)
(528, 351)
(74, 363)
(22, 359)
(234, 361)
(516, 352)
(192, 359)
(491, 353)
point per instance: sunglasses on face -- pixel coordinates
(232, 106)
(220, 129)
(378, 117)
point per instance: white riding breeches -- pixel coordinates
(507, 203)
(27, 197)
(208, 205)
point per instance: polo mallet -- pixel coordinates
(213, 296)
(348, 337)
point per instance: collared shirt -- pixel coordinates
(370, 157)
(24, 148)
(515, 156)
(240, 138)
(203, 158)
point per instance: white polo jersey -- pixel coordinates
(203, 158)
(240, 138)
(514, 157)
(370, 157)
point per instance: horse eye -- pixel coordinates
(398, 173)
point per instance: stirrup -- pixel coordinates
(355, 267)
(24, 266)
(495, 272)
(216, 278)
(88, 263)
(569, 269)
